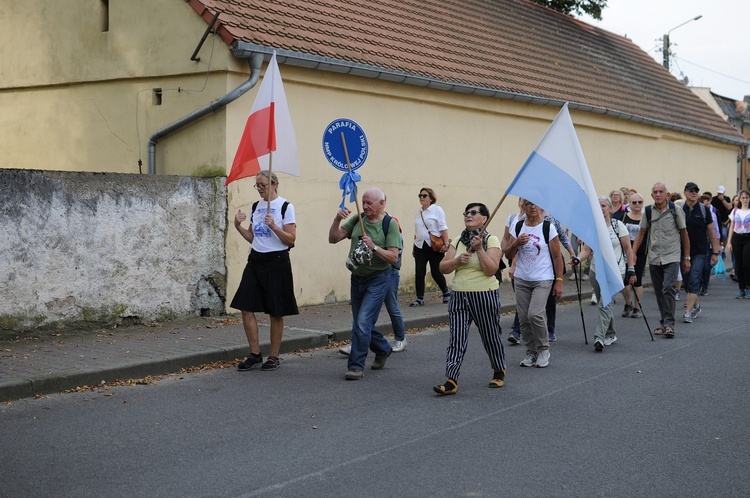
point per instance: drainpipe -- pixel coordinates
(255, 60)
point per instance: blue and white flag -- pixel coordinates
(555, 177)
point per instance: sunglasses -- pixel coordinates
(636, 202)
(422, 196)
(473, 212)
(693, 190)
(260, 186)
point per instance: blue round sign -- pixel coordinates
(356, 144)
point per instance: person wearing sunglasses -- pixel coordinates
(267, 284)
(632, 221)
(474, 258)
(535, 266)
(429, 224)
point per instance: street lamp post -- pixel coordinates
(666, 44)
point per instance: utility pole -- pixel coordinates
(667, 44)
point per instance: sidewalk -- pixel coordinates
(71, 359)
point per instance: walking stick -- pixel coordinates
(580, 304)
(642, 312)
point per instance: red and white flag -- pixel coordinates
(269, 128)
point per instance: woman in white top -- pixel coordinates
(267, 285)
(536, 263)
(619, 236)
(739, 242)
(430, 219)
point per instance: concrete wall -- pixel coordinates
(84, 249)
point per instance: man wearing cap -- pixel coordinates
(700, 229)
(663, 231)
(723, 207)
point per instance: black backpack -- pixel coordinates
(386, 225)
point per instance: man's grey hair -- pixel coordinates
(376, 193)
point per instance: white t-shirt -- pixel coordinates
(434, 217)
(741, 218)
(534, 259)
(265, 240)
(622, 261)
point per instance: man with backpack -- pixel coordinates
(664, 232)
(700, 229)
(372, 254)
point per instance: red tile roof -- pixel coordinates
(513, 48)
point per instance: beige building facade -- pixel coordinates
(88, 103)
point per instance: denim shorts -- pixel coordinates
(692, 281)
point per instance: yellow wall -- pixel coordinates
(76, 107)
(466, 148)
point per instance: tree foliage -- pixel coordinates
(590, 7)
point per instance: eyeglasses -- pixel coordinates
(473, 212)
(636, 202)
(260, 186)
(422, 196)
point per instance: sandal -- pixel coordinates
(450, 387)
(668, 332)
(659, 331)
(498, 379)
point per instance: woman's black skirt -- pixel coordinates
(267, 285)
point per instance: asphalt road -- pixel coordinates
(643, 418)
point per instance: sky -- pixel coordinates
(713, 51)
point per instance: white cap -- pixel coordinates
(721, 189)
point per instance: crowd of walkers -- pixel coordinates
(679, 237)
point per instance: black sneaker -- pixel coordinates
(250, 362)
(627, 310)
(272, 363)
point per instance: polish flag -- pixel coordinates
(268, 130)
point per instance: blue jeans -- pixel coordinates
(391, 305)
(692, 281)
(368, 294)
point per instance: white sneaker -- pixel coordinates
(608, 341)
(572, 276)
(399, 346)
(542, 359)
(687, 318)
(529, 361)
(585, 276)
(593, 299)
(345, 350)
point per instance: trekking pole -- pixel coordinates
(642, 311)
(580, 304)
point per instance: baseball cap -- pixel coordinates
(721, 189)
(690, 186)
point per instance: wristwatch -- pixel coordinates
(687, 257)
(375, 248)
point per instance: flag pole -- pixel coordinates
(492, 215)
(356, 194)
(270, 180)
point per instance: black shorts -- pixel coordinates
(267, 285)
